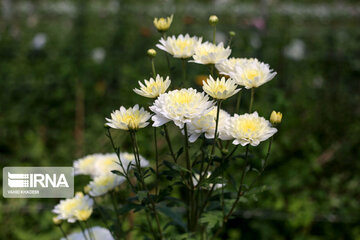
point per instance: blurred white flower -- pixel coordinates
(295, 50)
(180, 106)
(208, 53)
(103, 184)
(39, 41)
(98, 55)
(68, 208)
(220, 88)
(252, 74)
(206, 124)
(98, 233)
(180, 47)
(249, 129)
(129, 119)
(153, 88)
(96, 165)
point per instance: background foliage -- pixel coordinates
(54, 54)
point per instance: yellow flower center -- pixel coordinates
(182, 44)
(104, 181)
(131, 119)
(252, 74)
(248, 126)
(183, 98)
(219, 87)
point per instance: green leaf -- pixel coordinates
(212, 219)
(174, 216)
(141, 195)
(117, 172)
(179, 152)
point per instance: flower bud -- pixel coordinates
(163, 24)
(213, 20)
(56, 221)
(87, 189)
(232, 34)
(151, 52)
(275, 117)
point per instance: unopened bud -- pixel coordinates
(275, 117)
(151, 52)
(56, 221)
(232, 34)
(213, 20)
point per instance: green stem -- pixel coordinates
(190, 182)
(251, 99)
(169, 143)
(214, 35)
(184, 69)
(238, 102)
(113, 200)
(153, 68)
(265, 163)
(156, 161)
(229, 43)
(82, 230)
(136, 149)
(63, 232)
(117, 151)
(239, 193)
(215, 139)
(212, 70)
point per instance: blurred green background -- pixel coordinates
(65, 65)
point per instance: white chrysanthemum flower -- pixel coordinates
(180, 47)
(86, 165)
(228, 65)
(105, 163)
(68, 208)
(220, 88)
(153, 88)
(180, 106)
(129, 119)
(252, 74)
(163, 24)
(249, 129)
(196, 179)
(103, 184)
(208, 53)
(207, 123)
(97, 233)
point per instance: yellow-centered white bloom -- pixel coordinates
(66, 209)
(228, 65)
(163, 24)
(207, 123)
(129, 119)
(208, 53)
(180, 106)
(153, 88)
(220, 88)
(180, 47)
(275, 117)
(249, 129)
(95, 233)
(252, 74)
(103, 184)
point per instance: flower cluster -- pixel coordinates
(202, 113)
